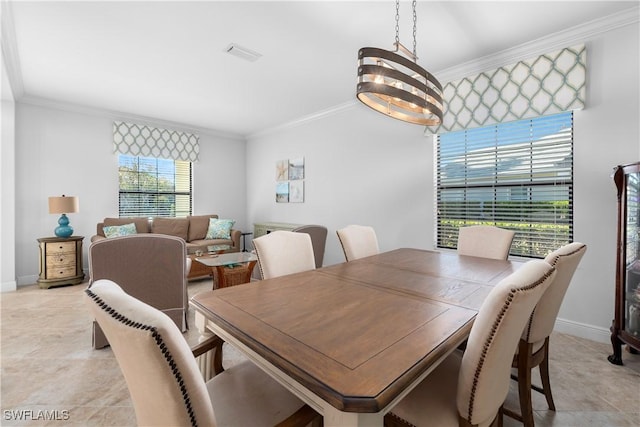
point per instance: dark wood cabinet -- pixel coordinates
(625, 328)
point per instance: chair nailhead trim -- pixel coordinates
(393, 420)
(259, 264)
(159, 342)
(555, 259)
(489, 340)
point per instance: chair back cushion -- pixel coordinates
(162, 375)
(565, 260)
(485, 241)
(483, 381)
(284, 252)
(358, 241)
(318, 235)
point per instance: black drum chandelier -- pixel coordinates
(396, 85)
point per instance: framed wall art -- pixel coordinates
(296, 168)
(290, 175)
(296, 191)
(282, 170)
(282, 192)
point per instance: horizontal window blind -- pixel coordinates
(516, 175)
(154, 187)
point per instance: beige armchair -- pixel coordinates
(166, 387)
(468, 389)
(151, 267)
(318, 235)
(485, 241)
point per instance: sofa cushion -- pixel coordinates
(219, 228)
(142, 223)
(198, 226)
(119, 230)
(178, 227)
(200, 244)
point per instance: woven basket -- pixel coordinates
(233, 275)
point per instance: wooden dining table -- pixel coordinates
(352, 339)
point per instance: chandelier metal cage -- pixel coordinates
(396, 85)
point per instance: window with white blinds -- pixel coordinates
(516, 175)
(154, 187)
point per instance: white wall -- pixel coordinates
(607, 133)
(367, 169)
(62, 151)
(7, 186)
(360, 168)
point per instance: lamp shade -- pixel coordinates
(64, 204)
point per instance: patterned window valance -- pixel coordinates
(145, 141)
(540, 86)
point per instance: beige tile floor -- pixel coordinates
(48, 364)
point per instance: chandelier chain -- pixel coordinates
(415, 20)
(397, 21)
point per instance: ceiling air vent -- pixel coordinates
(242, 52)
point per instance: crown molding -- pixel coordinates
(559, 40)
(570, 36)
(573, 35)
(127, 117)
(304, 120)
(9, 51)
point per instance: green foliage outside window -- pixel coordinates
(154, 187)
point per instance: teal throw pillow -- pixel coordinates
(219, 228)
(119, 230)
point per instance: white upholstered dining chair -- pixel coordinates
(485, 241)
(533, 349)
(468, 389)
(284, 252)
(358, 241)
(166, 387)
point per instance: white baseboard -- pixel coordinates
(8, 286)
(582, 330)
(27, 280)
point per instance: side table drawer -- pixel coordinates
(61, 248)
(61, 259)
(61, 272)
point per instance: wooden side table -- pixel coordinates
(199, 270)
(60, 261)
(229, 269)
(231, 275)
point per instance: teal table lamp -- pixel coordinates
(63, 205)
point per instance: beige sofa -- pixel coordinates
(192, 229)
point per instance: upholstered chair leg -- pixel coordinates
(497, 422)
(544, 376)
(524, 382)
